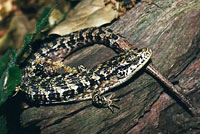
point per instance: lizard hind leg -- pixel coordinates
(105, 102)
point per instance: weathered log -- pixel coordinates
(173, 34)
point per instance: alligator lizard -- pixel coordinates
(45, 83)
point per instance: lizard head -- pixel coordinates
(132, 61)
(123, 66)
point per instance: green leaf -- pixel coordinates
(3, 128)
(8, 82)
(4, 61)
(9, 79)
(3, 95)
(14, 78)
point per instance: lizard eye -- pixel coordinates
(120, 74)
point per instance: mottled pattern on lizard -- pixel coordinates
(45, 84)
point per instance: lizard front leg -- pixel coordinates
(105, 102)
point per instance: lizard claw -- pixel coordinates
(105, 102)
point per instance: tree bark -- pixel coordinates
(173, 34)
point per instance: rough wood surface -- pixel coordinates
(173, 34)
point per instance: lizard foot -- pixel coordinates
(105, 102)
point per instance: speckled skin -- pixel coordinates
(44, 84)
